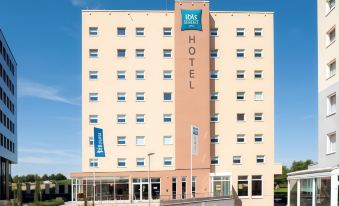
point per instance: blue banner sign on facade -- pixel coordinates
(99, 149)
(195, 135)
(191, 20)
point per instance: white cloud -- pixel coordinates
(33, 89)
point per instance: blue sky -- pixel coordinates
(45, 37)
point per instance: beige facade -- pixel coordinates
(152, 43)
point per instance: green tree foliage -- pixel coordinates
(45, 177)
(37, 189)
(300, 165)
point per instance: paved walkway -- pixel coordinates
(106, 203)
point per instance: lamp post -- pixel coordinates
(149, 177)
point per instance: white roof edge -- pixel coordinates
(171, 11)
(318, 170)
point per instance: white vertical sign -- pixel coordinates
(195, 139)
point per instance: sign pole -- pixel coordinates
(191, 161)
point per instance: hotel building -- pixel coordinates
(8, 118)
(185, 97)
(319, 184)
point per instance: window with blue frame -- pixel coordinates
(140, 118)
(93, 119)
(140, 162)
(214, 53)
(140, 53)
(91, 141)
(93, 31)
(121, 118)
(168, 161)
(93, 163)
(167, 74)
(214, 74)
(167, 53)
(214, 117)
(93, 75)
(121, 162)
(214, 96)
(240, 53)
(93, 97)
(214, 32)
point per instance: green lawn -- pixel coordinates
(282, 189)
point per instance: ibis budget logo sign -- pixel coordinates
(191, 20)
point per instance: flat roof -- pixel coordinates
(9, 48)
(171, 11)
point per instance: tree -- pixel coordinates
(45, 177)
(52, 177)
(19, 194)
(60, 176)
(300, 165)
(37, 189)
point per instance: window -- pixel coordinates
(91, 141)
(331, 36)
(331, 104)
(258, 32)
(140, 75)
(240, 74)
(168, 140)
(214, 74)
(93, 119)
(242, 186)
(260, 159)
(167, 53)
(140, 140)
(121, 162)
(140, 118)
(121, 53)
(121, 118)
(214, 96)
(140, 31)
(257, 185)
(121, 96)
(121, 75)
(168, 161)
(214, 160)
(140, 53)
(236, 160)
(258, 53)
(93, 31)
(258, 117)
(167, 74)
(93, 53)
(140, 162)
(140, 96)
(167, 31)
(240, 95)
(215, 139)
(167, 118)
(93, 97)
(93, 163)
(330, 4)
(240, 53)
(240, 32)
(331, 69)
(121, 140)
(214, 32)
(214, 53)
(93, 75)
(240, 138)
(331, 143)
(167, 96)
(258, 74)
(121, 31)
(258, 96)
(241, 117)
(258, 138)
(214, 117)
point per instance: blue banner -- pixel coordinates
(99, 149)
(191, 20)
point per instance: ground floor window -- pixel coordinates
(221, 186)
(306, 192)
(256, 185)
(293, 192)
(183, 187)
(323, 191)
(174, 188)
(194, 181)
(242, 186)
(141, 188)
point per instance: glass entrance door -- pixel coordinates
(221, 186)
(140, 189)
